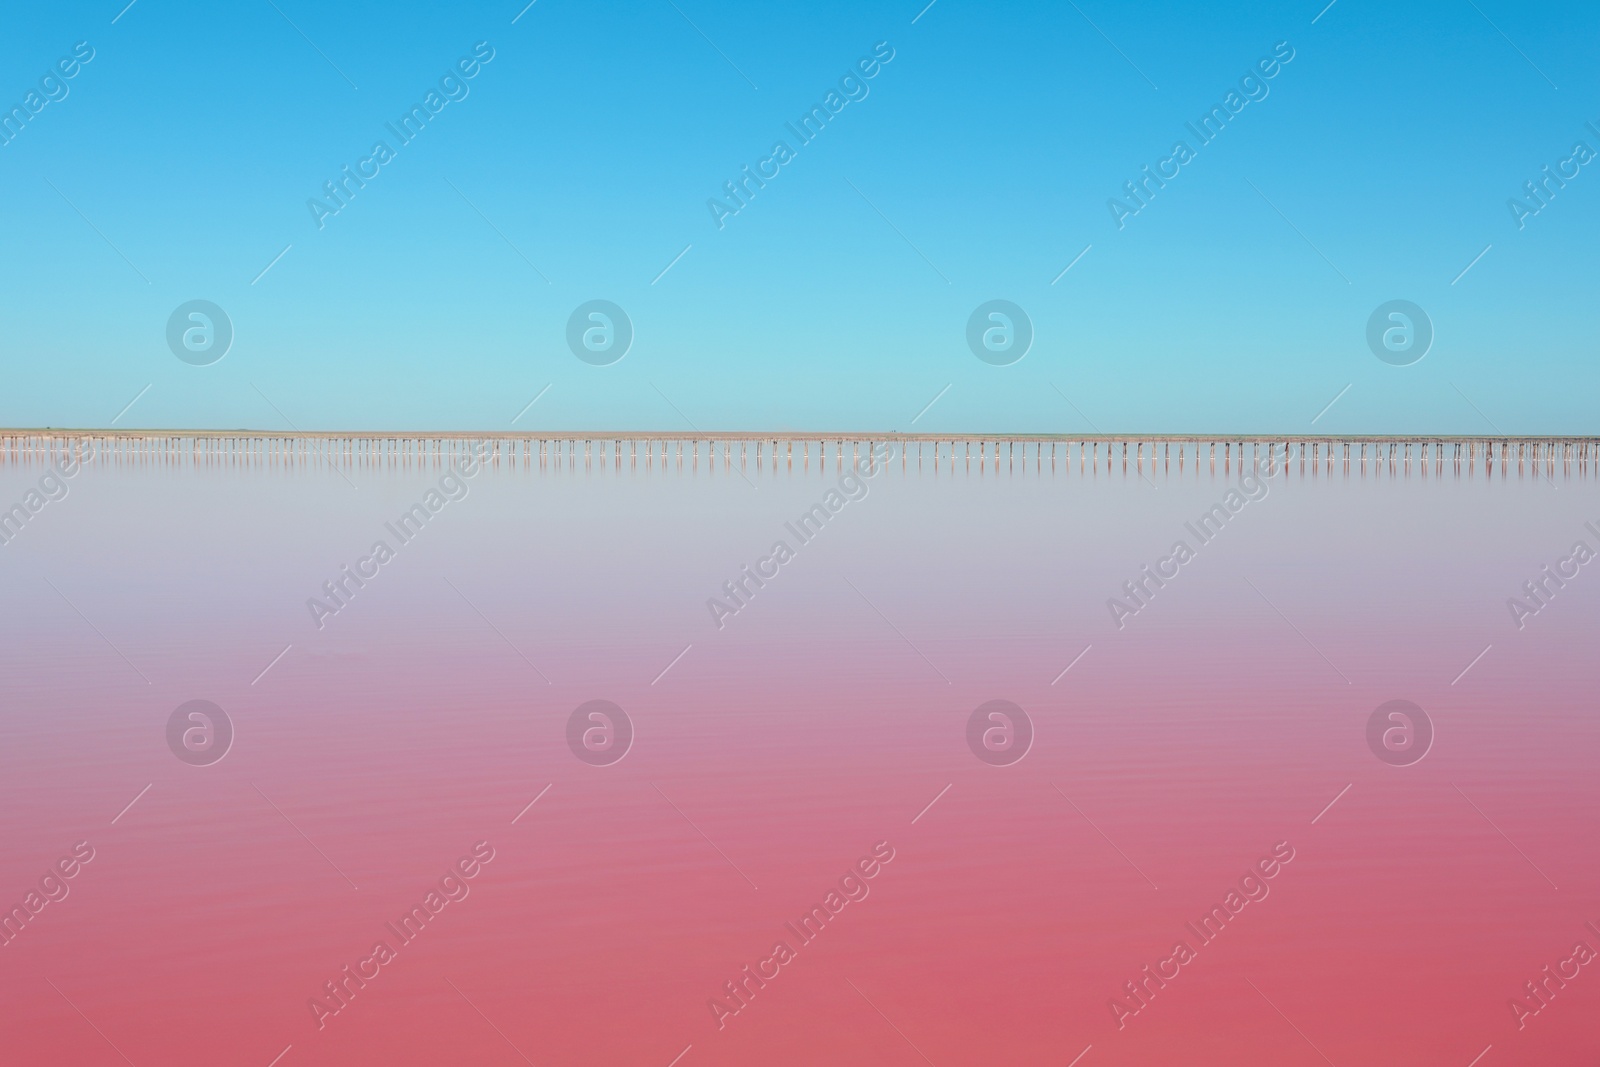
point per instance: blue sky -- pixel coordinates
(977, 167)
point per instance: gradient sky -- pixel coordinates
(979, 166)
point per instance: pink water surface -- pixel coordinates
(826, 719)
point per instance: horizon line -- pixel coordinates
(784, 435)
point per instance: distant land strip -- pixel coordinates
(769, 436)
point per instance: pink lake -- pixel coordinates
(1010, 888)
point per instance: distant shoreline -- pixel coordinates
(847, 436)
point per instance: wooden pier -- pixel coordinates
(760, 452)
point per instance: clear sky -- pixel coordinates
(974, 165)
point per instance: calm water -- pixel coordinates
(1394, 886)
